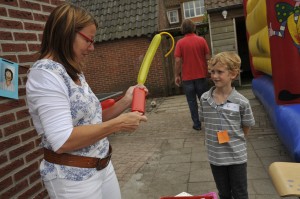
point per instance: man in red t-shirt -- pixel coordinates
(191, 56)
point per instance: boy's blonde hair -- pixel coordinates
(230, 59)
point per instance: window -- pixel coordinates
(193, 8)
(173, 16)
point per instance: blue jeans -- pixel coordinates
(193, 89)
(231, 181)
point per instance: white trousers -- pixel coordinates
(103, 185)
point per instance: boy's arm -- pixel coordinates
(246, 130)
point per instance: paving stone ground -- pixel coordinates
(165, 156)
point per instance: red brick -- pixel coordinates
(22, 91)
(12, 104)
(33, 26)
(21, 150)
(42, 195)
(23, 69)
(6, 183)
(28, 58)
(26, 171)
(36, 176)
(5, 35)
(11, 167)
(45, 1)
(7, 118)
(23, 80)
(3, 12)
(9, 2)
(40, 17)
(3, 159)
(38, 141)
(38, 153)
(15, 190)
(32, 191)
(30, 5)
(10, 24)
(47, 8)
(40, 37)
(11, 47)
(25, 36)
(28, 135)
(19, 14)
(34, 47)
(12, 58)
(14, 128)
(6, 144)
(56, 2)
(22, 113)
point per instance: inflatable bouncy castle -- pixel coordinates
(273, 32)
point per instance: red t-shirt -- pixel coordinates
(192, 49)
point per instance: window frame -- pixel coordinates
(175, 11)
(193, 9)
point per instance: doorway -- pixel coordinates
(243, 51)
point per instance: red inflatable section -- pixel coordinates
(284, 36)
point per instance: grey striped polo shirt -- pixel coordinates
(231, 116)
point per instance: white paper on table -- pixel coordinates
(184, 194)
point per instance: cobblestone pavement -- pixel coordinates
(165, 156)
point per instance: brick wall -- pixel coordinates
(21, 25)
(114, 66)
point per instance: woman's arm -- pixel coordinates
(113, 121)
(119, 107)
(50, 108)
(86, 135)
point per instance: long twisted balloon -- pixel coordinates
(144, 69)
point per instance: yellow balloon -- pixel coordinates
(144, 69)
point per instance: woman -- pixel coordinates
(67, 114)
(7, 84)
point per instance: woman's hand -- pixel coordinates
(129, 93)
(131, 121)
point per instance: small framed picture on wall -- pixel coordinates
(8, 79)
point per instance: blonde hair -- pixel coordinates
(230, 59)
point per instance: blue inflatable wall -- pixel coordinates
(285, 118)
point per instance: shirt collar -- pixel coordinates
(211, 101)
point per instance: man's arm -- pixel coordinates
(177, 71)
(207, 56)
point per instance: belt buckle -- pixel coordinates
(99, 166)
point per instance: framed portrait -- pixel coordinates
(8, 79)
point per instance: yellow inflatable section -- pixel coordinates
(294, 29)
(257, 27)
(251, 5)
(259, 43)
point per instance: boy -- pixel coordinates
(227, 116)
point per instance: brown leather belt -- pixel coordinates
(77, 161)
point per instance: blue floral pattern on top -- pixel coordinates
(85, 109)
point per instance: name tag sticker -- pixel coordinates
(223, 137)
(231, 107)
